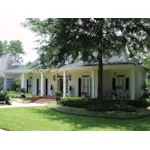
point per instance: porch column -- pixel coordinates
(64, 83)
(42, 84)
(139, 83)
(22, 80)
(5, 83)
(132, 84)
(34, 88)
(93, 84)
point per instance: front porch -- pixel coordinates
(127, 78)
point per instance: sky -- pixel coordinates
(10, 29)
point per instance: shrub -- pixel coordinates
(58, 95)
(23, 90)
(147, 100)
(28, 98)
(115, 107)
(93, 104)
(79, 102)
(16, 83)
(138, 103)
(23, 95)
(4, 97)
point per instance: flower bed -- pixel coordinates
(140, 113)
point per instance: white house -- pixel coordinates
(74, 79)
(8, 62)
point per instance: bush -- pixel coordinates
(147, 100)
(135, 103)
(93, 104)
(115, 107)
(23, 90)
(79, 102)
(58, 95)
(138, 103)
(14, 94)
(28, 98)
(23, 95)
(4, 97)
(16, 83)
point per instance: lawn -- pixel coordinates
(43, 119)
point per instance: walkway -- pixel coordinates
(16, 104)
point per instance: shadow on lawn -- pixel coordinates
(84, 123)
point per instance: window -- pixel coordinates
(120, 82)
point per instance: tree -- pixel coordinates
(1, 48)
(16, 83)
(29, 64)
(89, 40)
(14, 48)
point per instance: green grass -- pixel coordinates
(43, 119)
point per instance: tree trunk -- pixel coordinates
(100, 79)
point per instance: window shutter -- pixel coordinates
(46, 86)
(127, 84)
(67, 85)
(79, 87)
(27, 85)
(114, 84)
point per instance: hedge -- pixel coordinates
(116, 107)
(79, 102)
(83, 102)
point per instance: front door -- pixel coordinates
(86, 86)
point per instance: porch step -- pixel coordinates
(45, 100)
(47, 97)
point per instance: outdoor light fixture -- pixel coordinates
(69, 77)
(51, 87)
(70, 88)
(54, 77)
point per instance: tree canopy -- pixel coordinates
(89, 40)
(14, 48)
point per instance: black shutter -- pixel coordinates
(114, 84)
(46, 86)
(37, 87)
(79, 86)
(127, 83)
(27, 85)
(91, 87)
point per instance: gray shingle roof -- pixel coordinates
(68, 66)
(8, 62)
(18, 70)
